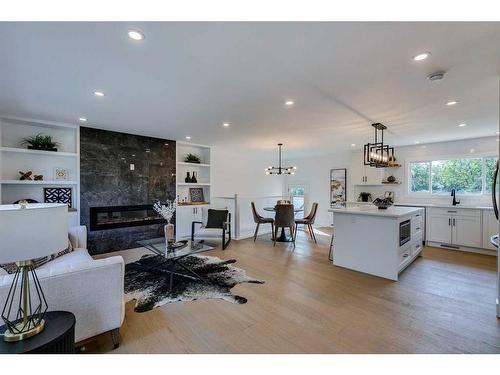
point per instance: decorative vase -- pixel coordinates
(188, 178)
(169, 233)
(193, 179)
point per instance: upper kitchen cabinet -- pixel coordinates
(363, 174)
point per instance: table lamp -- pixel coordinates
(29, 232)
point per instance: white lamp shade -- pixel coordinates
(39, 230)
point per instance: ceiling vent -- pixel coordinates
(437, 76)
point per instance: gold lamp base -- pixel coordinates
(25, 307)
(11, 337)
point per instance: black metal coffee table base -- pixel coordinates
(168, 266)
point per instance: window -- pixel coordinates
(420, 173)
(466, 176)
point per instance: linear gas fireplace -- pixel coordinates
(123, 216)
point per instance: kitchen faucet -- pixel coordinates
(453, 194)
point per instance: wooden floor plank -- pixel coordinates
(443, 303)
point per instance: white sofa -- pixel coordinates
(90, 289)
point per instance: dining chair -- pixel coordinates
(284, 219)
(261, 220)
(308, 221)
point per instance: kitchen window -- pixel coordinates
(465, 175)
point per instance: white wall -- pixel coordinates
(467, 148)
(314, 173)
(242, 173)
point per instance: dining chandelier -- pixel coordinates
(378, 154)
(280, 169)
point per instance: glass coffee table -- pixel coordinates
(171, 256)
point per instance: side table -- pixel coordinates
(57, 337)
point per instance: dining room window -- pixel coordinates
(297, 195)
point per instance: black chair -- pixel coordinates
(284, 218)
(308, 221)
(261, 220)
(215, 224)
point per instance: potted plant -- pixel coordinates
(192, 158)
(40, 142)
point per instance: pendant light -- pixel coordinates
(378, 154)
(280, 169)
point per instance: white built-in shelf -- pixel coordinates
(193, 184)
(193, 164)
(193, 205)
(37, 152)
(43, 182)
(381, 184)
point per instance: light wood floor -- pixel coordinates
(443, 303)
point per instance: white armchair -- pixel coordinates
(91, 289)
(215, 224)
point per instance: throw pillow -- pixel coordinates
(216, 218)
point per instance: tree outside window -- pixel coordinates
(466, 176)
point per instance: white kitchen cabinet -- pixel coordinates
(439, 228)
(363, 174)
(184, 217)
(490, 228)
(466, 231)
(455, 226)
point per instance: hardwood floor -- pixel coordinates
(443, 303)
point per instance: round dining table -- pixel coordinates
(283, 237)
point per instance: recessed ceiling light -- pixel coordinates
(421, 56)
(226, 124)
(82, 119)
(416, 142)
(136, 35)
(353, 144)
(188, 137)
(451, 102)
(289, 103)
(462, 125)
(472, 150)
(98, 93)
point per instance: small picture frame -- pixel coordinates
(196, 195)
(389, 195)
(61, 174)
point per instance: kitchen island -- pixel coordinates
(378, 242)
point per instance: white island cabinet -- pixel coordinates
(378, 242)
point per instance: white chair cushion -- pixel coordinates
(76, 256)
(3, 272)
(209, 233)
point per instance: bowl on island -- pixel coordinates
(383, 203)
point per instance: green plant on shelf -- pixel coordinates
(40, 142)
(192, 158)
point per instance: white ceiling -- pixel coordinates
(189, 78)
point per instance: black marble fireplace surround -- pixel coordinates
(121, 175)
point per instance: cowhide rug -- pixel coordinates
(150, 287)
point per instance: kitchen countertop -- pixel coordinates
(437, 205)
(371, 210)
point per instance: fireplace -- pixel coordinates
(123, 216)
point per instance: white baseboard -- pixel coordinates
(461, 248)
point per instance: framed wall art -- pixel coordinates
(58, 195)
(196, 195)
(338, 187)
